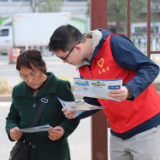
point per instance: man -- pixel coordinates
(135, 121)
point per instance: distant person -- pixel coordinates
(99, 54)
(139, 41)
(26, 98)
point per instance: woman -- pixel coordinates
(26, 98)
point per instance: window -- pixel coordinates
(4, 32)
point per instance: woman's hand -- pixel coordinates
(56, 133)
(68, 114)
(15, 135)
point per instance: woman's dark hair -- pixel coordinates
(30, 57)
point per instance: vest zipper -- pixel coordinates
(90, 73)
(90, 70)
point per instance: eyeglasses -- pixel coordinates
(64, 59)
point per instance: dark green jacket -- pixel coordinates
(23, 110)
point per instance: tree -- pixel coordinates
(88, 9)
(117, 11)
(50, 6)
(46, 5)
(155, 4)
(34, 4)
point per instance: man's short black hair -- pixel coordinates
(65, 37)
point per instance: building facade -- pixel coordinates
(77, 8)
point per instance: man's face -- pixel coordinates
(73, 57)
(33, 77)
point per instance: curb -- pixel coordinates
(7, 98)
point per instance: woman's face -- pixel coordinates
(33, 77)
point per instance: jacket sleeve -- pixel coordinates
(86, 114)
(68, 125)
(131, 58)
(12, 120)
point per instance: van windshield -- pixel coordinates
(4, 32)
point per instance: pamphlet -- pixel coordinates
(96, 88)
(36, 129)
(79, 106)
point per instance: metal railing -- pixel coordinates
(141, 42)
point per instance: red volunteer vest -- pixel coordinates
(123, 115)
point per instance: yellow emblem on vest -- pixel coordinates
(99, 72)
(100, 62)
(107, 68)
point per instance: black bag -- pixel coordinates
(21, 149)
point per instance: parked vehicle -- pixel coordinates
(30, 30)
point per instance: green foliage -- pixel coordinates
(117, 11)
(0, 20)
(88, 9)
(50, 6)
(4, 87)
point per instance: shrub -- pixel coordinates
(4, 87)
(68, 79)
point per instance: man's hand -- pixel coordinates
(68, 114)
(120, 94)
(15, 135)
(55, 133)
